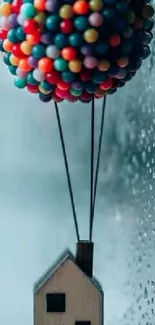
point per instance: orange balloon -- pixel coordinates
(81, 7)
(69, 53)
(24, 66)
(33, 38)
(26, 48)
(14, 60)
(7, 45)
(39, 5)
(75, 66)
(45, 65)
(5, 9)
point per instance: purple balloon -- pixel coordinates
(77, 85)
(33, 62)
(45, 39)
(87, 50)
(12, 19)
(51, 5)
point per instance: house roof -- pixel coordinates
(63, 257)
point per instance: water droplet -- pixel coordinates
(145, 293)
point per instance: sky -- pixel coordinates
(36, 222)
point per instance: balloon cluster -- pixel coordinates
(74, 49)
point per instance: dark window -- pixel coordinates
(83, 322)
(55, 302)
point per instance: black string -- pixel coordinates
(97, 167)
(92, 158)
(67, 171)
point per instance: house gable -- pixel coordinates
(67, 255)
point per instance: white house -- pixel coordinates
(67, 294)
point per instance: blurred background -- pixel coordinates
(36, 222)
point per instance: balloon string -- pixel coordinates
(97, 168)
(67, 171)
(92, 158)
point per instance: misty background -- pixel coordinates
(36, 222)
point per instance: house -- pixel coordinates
(67, 294)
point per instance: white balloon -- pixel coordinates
(52, 52)
(38, 75)
(21, 19)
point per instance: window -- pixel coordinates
(83, 322)
(55, 302)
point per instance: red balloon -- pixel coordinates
(63, 85)
(114, 40)
(85, 75)
(107, 84)
(61, 93)
(3, 34)
(71, 98)
(56, 98)
(15, 7)
(30, 26)
(17, 51)
(86, 96)
(66, 26)
(33, 88)
(53, 77)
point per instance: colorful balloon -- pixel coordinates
(74, 49)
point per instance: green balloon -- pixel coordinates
(1, 46)
(60, 64)
(75, 39)
(12, 69)
(20, 34)
(6, 58)
(28, 10)
(19, 82)
(12, 36)
(52, 22)
(31, 80)
(38, 51)
(45, 85)
(68, 76)
(27, 1)
(61, 40)
(81, 23)
(76, 92)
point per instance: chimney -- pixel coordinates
(84, 256)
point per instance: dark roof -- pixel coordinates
(63, 257)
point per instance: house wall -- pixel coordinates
(83, 300)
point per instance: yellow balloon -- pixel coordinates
(103, 65)
(14, 60)
(66, 12)
(75, 66)
(123, 62)
(96, 5)
(91, 35)
(43, 91)
(40, 18)
(5, 9)
(26, 48)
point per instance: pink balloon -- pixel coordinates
(95, 19)
(90, 62)
(4, 23)
(21, 74)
